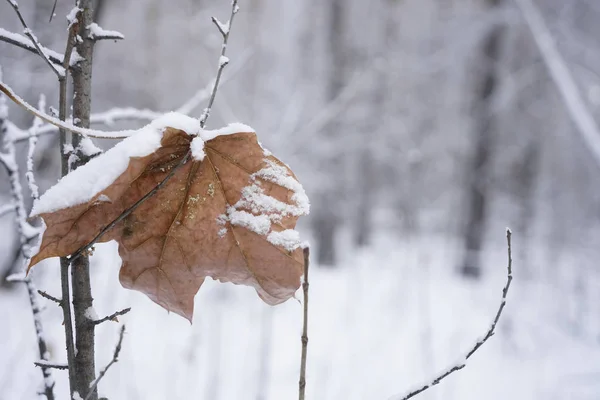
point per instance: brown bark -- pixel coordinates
(84, 362)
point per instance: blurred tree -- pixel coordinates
(479, 169)
(326, 217)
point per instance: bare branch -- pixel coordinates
(113, 316)
(223, 61)
(115, 358)
(59, 71)
(305, 285)
(24, 42)
(47, 364)
(490, 332)
(50, 297)
(53, 9)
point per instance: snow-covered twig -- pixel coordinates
(304, 337)
(490, 332)
(223, 61)
(115, 358)
(47, 364)
(24, 42)
(58, 70)
(26, 234)
(562, 77)
(113, 316)
(99, 33)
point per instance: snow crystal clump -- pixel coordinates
(197, 147)
(255, 223)
(289, 239)
(230, 129)
(90, 314)
(81, 185)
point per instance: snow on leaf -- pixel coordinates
(288, 239)
(211, 219)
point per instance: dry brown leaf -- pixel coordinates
(229, 217)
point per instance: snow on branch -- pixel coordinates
(480, 342)
(223, 60)
(27, 233)
(562, 77)
(58, 69)
(25, 43)
(117, 114)
(99, 33)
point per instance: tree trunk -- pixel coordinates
(80, 268)
(325, 222)
(479, 169)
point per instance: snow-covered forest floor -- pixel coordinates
(386, 319)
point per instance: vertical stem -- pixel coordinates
(42, 347)
(302, 382)
(64, 262)
(85, 368)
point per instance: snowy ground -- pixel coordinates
(386, 319)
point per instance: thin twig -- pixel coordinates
(490, 332)
(115, 358)
(223, 61)
(53, 9)
(50, 297)
(45, 364)
(113, 316)
(305, 284)
(29, 33)
(64, 157)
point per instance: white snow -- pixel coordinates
(97, 32)
(84, 183)
(76, 396)
(91, 314)
(279, 175)
(24, 40)
(197, 148)
(265, 209)
(223, 60)
(16, 277)
(104, 199)
(223, 27)
(289, 239)
(259, 224)
(88, 148)
(72, 15)
(230, 129)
